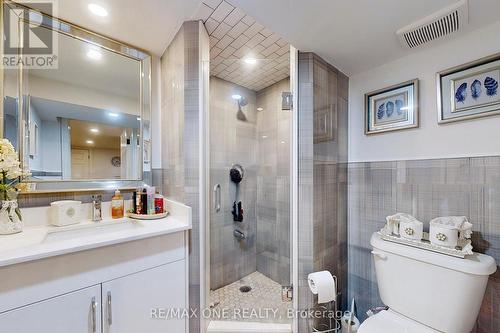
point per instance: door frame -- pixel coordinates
(206, 195)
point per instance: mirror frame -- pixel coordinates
(145, 60)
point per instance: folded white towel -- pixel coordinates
(460, 223)
(395, 221)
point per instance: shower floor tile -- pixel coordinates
(261, 304)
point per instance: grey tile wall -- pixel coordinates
(232, 141)
(261, 144)
(28, 200)
(322, 176)
(425, 189)
(183, 85)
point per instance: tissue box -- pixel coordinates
(65, 212)
(411, 229)
(443, 235)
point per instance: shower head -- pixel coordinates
(240, 115)
(242, 101)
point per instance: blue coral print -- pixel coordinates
(491, 86)
(389, 108)
(476, 90)
(399, 107)
(381, 111)
(461, 93)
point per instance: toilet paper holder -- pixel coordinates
(333, 325)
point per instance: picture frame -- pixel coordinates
(469, 91)
(393, 108)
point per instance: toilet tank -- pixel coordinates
(437, 290)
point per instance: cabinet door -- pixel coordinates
(76, 312)
(128, 302)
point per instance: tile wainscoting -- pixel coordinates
(425, 189)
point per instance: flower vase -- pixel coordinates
(10, 218)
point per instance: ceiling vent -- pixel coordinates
(434, 26)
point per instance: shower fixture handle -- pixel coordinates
(239, 235)
(217, 198)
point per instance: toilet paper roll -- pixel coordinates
(354, 323)
(323, 284)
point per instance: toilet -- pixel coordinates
(426, 292)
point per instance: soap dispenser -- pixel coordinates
(117, 205)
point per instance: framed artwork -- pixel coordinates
(392, 109)
(469, 91)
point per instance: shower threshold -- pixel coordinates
(247, 327)
(251, 304)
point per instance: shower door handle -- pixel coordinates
(217, 198)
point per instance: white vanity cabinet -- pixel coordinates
(122, 305)
(75, 312)
(127, 302)
(107, 283)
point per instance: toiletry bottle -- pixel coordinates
(138, 203)
(117, 205)
(151, 200)
(134, 202)
(158, 203)
(144, 201)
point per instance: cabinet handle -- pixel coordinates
(110, 310)
(217, 197)
(93, 315)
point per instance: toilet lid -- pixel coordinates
(391, 322)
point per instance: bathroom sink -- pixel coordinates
(92, 229)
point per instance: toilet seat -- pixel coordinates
(392, 322)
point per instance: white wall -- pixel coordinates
(51, 146)
(70, 93)
(101, 167)
(460, 139)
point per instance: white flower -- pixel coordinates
(9, 160)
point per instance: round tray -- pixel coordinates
(147, 217)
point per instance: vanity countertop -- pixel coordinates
(39, 242)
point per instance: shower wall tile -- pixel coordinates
(232, 141)
(182, 83)
(425, 189)
(322, 179)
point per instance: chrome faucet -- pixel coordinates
(96, 208)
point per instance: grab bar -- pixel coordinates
(217, 197)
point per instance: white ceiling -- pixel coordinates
(235, 36)
(147, 24)
(354, 35)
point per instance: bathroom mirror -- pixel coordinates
(83, 120)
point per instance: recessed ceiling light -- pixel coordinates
(260, 109)
(89, 142)
(264, 137)
(94, 130)
(250, 61)
(138, 118)
(98, 10)
(113, 115)
(94, 54)
(236, 96)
